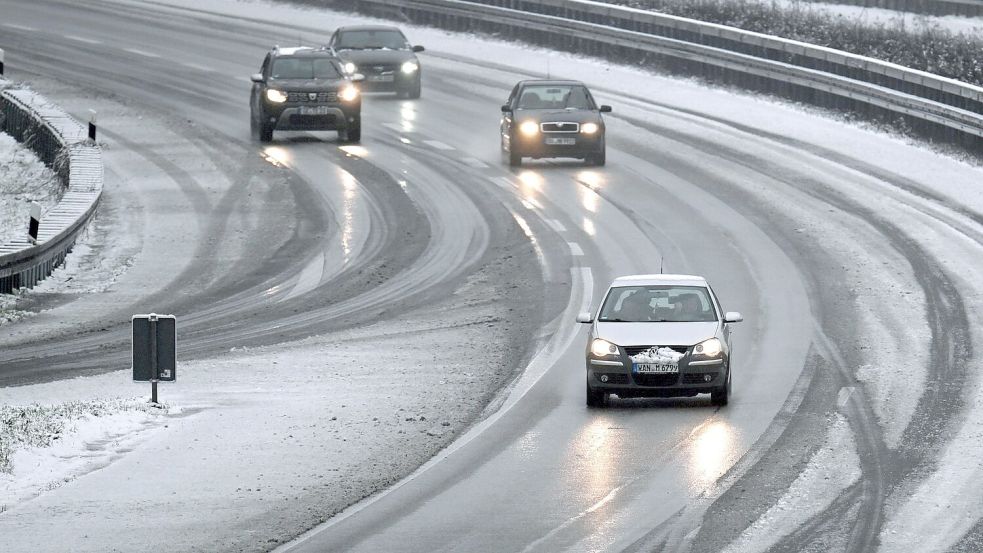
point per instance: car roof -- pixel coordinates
(550, 82)
(304, 51)
(659, 280)
(367, 28)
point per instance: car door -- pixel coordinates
(256, 98)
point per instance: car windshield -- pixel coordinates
(555, 97)
(381, 39)
(678, 304)
(304, 68)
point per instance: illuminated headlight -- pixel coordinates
(529, 128)
(350, 67)
(603, 348)
(276, 96)
(708, 348)
(348, 93)
(409, 67)
(588, 128)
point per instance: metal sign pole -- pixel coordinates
(154, 370)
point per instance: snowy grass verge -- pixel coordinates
(45, 445)
(23, 179)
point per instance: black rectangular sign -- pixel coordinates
(154, 334)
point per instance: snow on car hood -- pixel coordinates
(656, 334)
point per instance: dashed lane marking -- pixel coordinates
(203, 68)
(557, 226)
(141, 53)
(438, 145)
(19, 27)
(476, 163)
(575, 248)
(83, 39)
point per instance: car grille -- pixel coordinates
(613, 378)
(376, 69)
(635, 350)
(697, 378)
(656, 379)
(304, 97)
(559, 126)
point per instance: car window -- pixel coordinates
(555, 97)
(658, 304)
(369, 39)
(304, 68)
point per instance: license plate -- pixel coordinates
(314, 110)
(556, 141)
(381, 78)
(656, 368)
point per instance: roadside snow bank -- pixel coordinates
(45, 446)
(832, 469)
(23, 179)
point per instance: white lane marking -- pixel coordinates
(844, 396)
(528, 205)
(141, 53)
(569, 522)
(545, 358)
(504, 182)
(83, 39)
(203, 68)
(557, 226)
(438, 145)
(575, 248)
(393, 126)
(309, 278)
(20, 27)
(477, 163)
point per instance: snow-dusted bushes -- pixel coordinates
(924, 47)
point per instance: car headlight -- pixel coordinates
(529, 128)
(409, 67)
(276, 96)
(603, 348)
(589, 128)
(709, 348)
(348, 94)
(350, 67)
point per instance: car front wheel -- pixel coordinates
(595, 397)
(721, 396)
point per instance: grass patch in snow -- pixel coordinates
(41, 426)
(925, 46)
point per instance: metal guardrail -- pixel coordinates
(940, 107)
(62, 143)
(968, 8)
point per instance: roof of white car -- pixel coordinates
(660, 280)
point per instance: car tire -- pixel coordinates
(721, 396)
(352, 134)
(515, 158)
(595, 398)
(598, 159)
(265, 133)
(414, 92)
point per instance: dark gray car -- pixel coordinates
(383, 55)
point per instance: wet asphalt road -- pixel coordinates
(386, 225)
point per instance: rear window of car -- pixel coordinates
(637, 304)
(381, 39)
(304, 68)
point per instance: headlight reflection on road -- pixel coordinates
(711, 453)
(590, 200)
(407, 115)
(347, 214)
(592, 179)
(596, 450)
(277, 156)
(589, 227)
(530, 184)
(353, 150)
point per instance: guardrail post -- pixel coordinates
(92, 125)
(1, 62)
(35, 223)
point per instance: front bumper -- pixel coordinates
(289, 118)
(619, 377)
(536, 147)
(401, 81)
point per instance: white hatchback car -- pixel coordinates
(659, 336)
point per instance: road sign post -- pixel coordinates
(154, 350)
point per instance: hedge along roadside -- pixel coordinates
(936, 107)
(62, 144)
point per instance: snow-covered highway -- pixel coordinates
(853, 255)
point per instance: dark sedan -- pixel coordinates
(547, 118)
(383, 55)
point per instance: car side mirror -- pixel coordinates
(585, 318)
(256, 77)
(357, 77)
(506, 108)
(733, 317)
(418, 48)
(605, 109)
